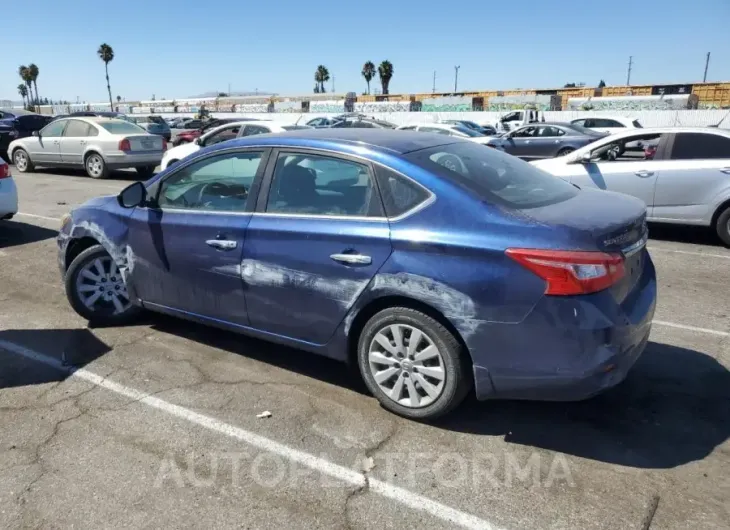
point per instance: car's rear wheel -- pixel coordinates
(22, 161)
(96, 290)
(145, 171)
(95, 166)
(722, 226)
(413, 364)
(565, 151)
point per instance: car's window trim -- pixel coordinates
(153, 190)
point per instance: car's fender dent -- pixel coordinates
(119, 251)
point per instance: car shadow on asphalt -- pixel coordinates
(673, 408)
(15, 233)
(72, 348)
(698, 235)
(129, 175)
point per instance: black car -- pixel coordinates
(15, 123)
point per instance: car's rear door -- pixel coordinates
(185, 249)
(318, 237)
(693, 178)
(74, 140)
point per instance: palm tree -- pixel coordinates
(321, 76)
(368, 72)
(24, 73)
(106, 54)
(385, 72)
(23, 91)
(33, 74)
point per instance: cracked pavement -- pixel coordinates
(652, 453)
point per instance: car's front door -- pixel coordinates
(46, 147)
(627, 173)
(546, 143)
(74, 140)
(693, 177)
(186, 247)
(317, 239)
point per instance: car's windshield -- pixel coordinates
(493, 176)
(121, 127)
(467, 131)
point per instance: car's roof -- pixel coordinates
(17, 112)
(668, 130)
(390, 140)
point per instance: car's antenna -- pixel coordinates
(722, 120)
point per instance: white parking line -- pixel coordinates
(56, 219)
(341, 473)
(692, 328)
(689, 252)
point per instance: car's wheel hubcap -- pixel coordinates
(100, 286)
(95, 165)
(21, 161)
(406, 365)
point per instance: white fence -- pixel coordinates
(648, 118)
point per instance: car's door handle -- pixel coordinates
(726, 170)
(82, 142)
(352, 259)
(644, 174)
(221, 244)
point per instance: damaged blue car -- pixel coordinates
(439, 267)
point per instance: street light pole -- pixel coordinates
(456, 77)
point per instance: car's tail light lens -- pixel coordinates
(4, 170)
(124, 145)
(571, 272)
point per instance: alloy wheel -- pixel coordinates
(21, 160)
(406, 365)
(100, 286)
(95, 165)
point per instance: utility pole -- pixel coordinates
(456, 77)
(628, 76)
(229, 89)
(333, 83)
(433, 90)
(707, 63)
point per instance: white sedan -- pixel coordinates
(229, 131)
(448, 129)
(8, 193)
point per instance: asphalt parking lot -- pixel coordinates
(156, 424)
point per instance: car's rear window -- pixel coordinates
(157, 119)
(493, 176)
(121, 127)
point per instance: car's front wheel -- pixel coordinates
(22, 161)
(565, 151)
(413, 364)
(96, 290)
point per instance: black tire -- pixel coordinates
(92, 162)
(19, 165)
(145, 171)
(458, 379)
(722, 226)
(103, 316)
(565, 151)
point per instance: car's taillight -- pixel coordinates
(124, 145)
(4, 170)
(571, 272)
(164, 144)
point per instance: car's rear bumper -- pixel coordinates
(567, 348)
(122, 160)
(8, 198)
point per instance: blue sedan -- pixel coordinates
(437, 266)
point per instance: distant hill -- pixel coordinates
(213, 94)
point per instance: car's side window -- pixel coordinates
(579, 123)
(220, 183)
(525, 133)
(77, 129)
(434, 130)
(613, 123)
(546, 130)
(589, 123)
(399, 193)
(698, 146)
(621, 150)
(251, 130)
(229, 133)
(319, 185)
(54, 129)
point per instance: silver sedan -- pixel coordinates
(96, 144)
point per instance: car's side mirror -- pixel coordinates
(36, 133)
(585, 158)
(198, 141)
(132, 196)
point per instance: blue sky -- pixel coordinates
(178, 49)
